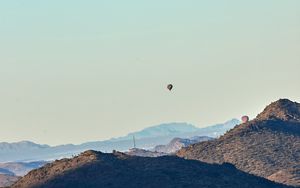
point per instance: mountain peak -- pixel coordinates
(267, 146)
(283, 109)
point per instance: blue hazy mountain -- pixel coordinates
(23, 145)
(167, 129)
(216, 130)
(173, 129)
(146, 139)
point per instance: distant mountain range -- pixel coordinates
(268, 146)
(145, 139)
(95, 169)
(23, 145)
(161, 130)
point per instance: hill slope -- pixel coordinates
(95, 169)
(268, 146)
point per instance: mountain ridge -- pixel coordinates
(96, 169)
(164, 129)
(264, 146)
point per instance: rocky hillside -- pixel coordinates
(178, 143)
(95, 169)
(268, 146)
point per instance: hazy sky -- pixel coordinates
(76, 71)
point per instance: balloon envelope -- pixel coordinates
(245, 119)
(170, 87)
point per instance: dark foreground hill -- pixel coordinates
(95, 169)
(268, 146)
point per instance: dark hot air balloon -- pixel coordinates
(245, 119)
(170, 87)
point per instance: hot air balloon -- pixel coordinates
(170, 87)
(245, 119)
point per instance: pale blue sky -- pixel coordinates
(76, 71)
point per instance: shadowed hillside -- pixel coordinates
(268, 146)
(96, 169)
